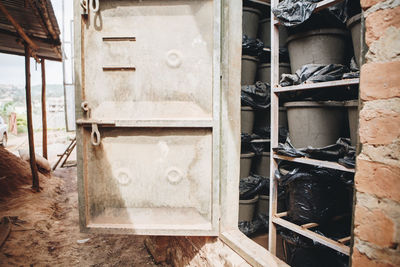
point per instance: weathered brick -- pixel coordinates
(378, 179)
(374, 226)
(379, 127)
(377, 22)
(361, 260)
(368, 3)
(380, 80)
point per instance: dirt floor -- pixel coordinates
(45, 230)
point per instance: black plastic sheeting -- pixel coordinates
(265, 133)
(314, 194)
(245, 146)
(252, 47)
(295, 12)
(342, 152)
(253, 185)
(258, 224)
(315, 73)
(302, 252)
(256, 96)
(265, 56)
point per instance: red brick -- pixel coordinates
(380, 80)
(376, 23)
(379, 127)
(359, 259)
(374, 226)
(378, 179)
(368, 3)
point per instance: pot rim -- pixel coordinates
(324, 31)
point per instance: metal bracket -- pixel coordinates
(95, 137)
(84, 7)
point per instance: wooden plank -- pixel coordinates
(310, 86)
(314, 236)
(274, 128)
(18, 28)
(252, 252)
(44, 115)
(32, 157)
(309, 225)
(260, 2)
(344, 239)
(325, 4)
(315, 162)
(282, 214)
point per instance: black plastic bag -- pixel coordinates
(315, 73)
(265, 56)
(311, 192)
(294, 12)
(252, 47)
(251, 186)
(258, 146)
(303, 252)
(341, 152)
(250, 228)
(245, 139)
(256, 96)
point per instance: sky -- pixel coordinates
(12, 69)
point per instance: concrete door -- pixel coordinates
(148, 92)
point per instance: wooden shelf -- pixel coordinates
(309, 86)
(259, 2)
(304, 231)
(315, 162)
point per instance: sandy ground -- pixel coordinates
(45, 229)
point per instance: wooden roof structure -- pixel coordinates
(32, 22)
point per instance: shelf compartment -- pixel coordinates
(315, 162)
(304, 231)
(309, 86)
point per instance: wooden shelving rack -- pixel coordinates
(305, 230)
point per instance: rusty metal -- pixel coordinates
(115, 39)
(119, 68)
(95, 137)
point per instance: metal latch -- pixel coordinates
(94, 6)
(95, 137)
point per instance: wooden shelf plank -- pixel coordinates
(259, 2)
(312, 235)
(309, 86)
(315, 162)
(325, 4)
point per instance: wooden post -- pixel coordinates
(35, 176)
(44, 115)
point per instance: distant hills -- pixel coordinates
(17, 94)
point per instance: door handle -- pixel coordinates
(95, 137)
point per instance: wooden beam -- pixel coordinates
(18, 28)
(32, 158)
(44, 115)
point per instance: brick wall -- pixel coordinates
(377, 180)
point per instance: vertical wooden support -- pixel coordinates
(44, 115)
(274, 128)
(35, 176)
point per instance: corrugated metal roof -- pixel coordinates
(38, 20)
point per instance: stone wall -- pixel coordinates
(377, 180)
